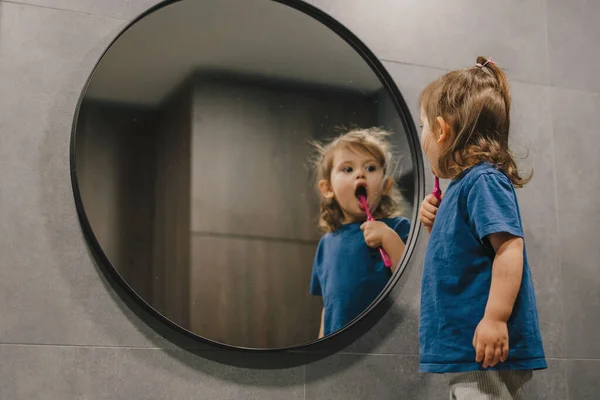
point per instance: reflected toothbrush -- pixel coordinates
(384, 256)
(437, 192)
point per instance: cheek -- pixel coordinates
(425, 142)
(335, 183)
(377, 180)
(340, 182)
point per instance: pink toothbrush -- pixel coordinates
(437, 192)
(384, 256)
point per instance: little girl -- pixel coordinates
(348, 271)
(478, 309)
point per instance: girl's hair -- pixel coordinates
(475, 102)
(372, 141)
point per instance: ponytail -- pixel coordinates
(503, 159)
(476, 102)
(502, 83)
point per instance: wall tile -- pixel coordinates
(549, 383)
(54, 373)
(115, 373)
(444, 34)
(176, 374)
(576, 120)
(583, 379)
(573, 44)
(532, 144)
(381, 377)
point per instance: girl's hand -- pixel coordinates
(374, 232)
(491, 342)
(428, 210)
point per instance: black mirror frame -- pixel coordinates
(158, 321)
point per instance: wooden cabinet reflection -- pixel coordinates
(254, 207)
(254, 293)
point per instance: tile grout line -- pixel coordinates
(378, 354)
(16, 2)
(83, 346)
(413, 64)
(510, 80)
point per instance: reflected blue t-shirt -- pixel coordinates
(348, 273)
(457, 276)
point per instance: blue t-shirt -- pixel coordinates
(348, 273)
(457, 275)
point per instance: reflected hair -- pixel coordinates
(475, 102)
(371, 141)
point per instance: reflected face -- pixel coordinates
(355, 171)
(431, 144)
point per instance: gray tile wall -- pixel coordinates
(63, 332)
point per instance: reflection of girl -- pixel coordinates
(477, 294)
(348, 271)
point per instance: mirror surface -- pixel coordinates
(193, 161)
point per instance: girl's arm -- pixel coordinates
(379, 234)
(491, 336)
(507, 272)
(322, 329)
(393, 246)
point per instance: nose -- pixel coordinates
(360, 174)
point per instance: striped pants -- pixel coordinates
(488, 385)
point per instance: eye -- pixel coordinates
(421, 126)
(347, 169)
(371, 168)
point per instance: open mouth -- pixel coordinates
(361, 195)
(361, 191)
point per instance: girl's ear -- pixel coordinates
(387, 186)
(445, 130)
(325, 189)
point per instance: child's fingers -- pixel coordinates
(429, 207)
(365, 225)
(427, 214)
(479, 352)
(426, 222)
(431, 199)
(370, 241)
(504, 351)
(489, 356)
(497, 355)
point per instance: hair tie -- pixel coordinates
(488, 61)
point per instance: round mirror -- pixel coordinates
(196, 152)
